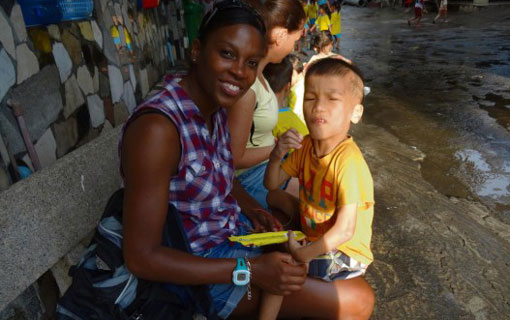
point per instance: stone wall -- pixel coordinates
(74, 79)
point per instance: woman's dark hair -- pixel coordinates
(278, 74)
(321, 40)
(230, 12)
(288, 14)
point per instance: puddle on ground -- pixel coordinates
(497, 107)
(488, 180)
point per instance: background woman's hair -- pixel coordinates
(288, 14)
(279, 74)
(231, 12)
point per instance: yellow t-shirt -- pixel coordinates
(312, 11)
(325, 184)
(288, 119)
(323, 22)
(336, 23)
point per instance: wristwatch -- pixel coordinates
(241, 274)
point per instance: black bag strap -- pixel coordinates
(174, 231)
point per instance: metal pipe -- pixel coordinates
(18, 113)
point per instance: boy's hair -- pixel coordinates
(321, 40)
(338, 67)
(297, 64)
(278, 74)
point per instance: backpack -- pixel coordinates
(103, 287)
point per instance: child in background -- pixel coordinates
(336, 200)
(279, 76)
(312, 13)
(322, 23)
(336, 25)
(443, 9)
(418, 9)
(297, 89)
(324, 44)
(302, 41)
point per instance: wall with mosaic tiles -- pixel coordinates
(73, 81)
(76, 79)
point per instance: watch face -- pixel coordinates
(241, 277)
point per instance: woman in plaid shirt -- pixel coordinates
(187, 162)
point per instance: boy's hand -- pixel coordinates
(291, 139)
(295, 248)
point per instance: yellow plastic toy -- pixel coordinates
(266, 238)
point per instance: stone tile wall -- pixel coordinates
(73, 78)
(75, 81)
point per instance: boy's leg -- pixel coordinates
(270, 306)
(342, 299)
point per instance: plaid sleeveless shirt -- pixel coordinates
(201, 189)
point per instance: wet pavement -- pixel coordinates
(443, 89)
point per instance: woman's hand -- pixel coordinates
(291, 139)
(278, 273)
(262, 220)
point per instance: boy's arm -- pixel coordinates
(275, 175)
(341, 232)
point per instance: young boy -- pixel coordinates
(336, 189)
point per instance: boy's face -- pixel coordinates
(330, 105)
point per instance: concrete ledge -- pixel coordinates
(45, 216)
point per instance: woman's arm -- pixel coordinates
(240, 120)
(150, 156)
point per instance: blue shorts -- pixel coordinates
(226, 296)
(252, 181)
(312, 21)
(337, 36)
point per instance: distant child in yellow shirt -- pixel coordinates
(336, 197)
(311, 11)
(336, 25)
(322, 23)
(279, 77)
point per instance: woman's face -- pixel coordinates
(227, 62)
(282, 43)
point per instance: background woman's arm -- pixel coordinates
(240, 119)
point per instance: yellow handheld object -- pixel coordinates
(266, 238)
